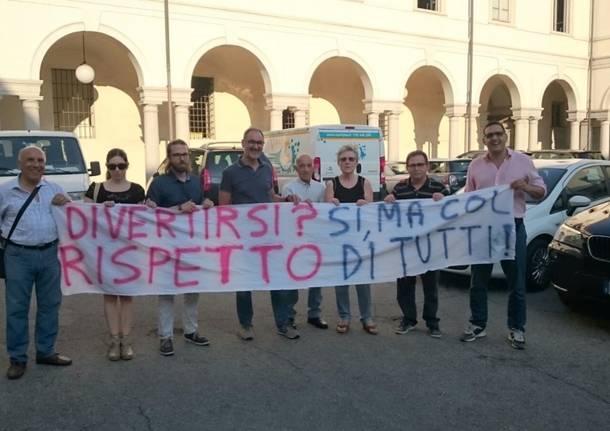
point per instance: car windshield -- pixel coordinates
(398, 167)
(218, 161)
(63, 154)
(551, 177)
(447, 166)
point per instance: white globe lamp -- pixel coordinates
(85, 73)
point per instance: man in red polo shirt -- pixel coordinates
(501, 165)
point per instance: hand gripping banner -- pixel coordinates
(135, 250)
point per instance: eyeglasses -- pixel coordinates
(347, 159)
(492, 134)
(179, 155)
(416, 165)
(253, 142)
(120, 166)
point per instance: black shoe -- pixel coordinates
(56, 359)
(16, 370)
(166, 347)
(197, 339)
(317, 322)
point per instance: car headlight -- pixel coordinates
(77, 196)
(570, 236)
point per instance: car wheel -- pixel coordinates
(569, 301)
(537, 276)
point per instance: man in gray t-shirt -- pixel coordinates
(308, 190)
(249, 181)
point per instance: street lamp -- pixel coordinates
(84, 73)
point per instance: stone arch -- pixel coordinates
(135, 55)
(364, 71)
(441, 72)
(265, 69)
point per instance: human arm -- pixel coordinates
(368, 194)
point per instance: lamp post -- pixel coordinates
(169, 76)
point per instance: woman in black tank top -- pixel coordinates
(350, 187)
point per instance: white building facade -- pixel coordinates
(537, 66)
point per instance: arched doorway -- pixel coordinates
(104, 114)
(229, 87)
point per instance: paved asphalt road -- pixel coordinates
(324, 381)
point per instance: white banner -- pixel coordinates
(135, 250)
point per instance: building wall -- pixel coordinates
(340, 55)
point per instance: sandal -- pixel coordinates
(370, 327)
(342, 327)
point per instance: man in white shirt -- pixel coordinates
(30, 259)
(308, 190)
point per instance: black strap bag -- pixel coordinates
(10, 233)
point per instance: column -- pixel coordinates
(454, 135)
(533, 134)
(151, 138)
(575, 134)
(300, 117)
(521, 133)
(275, 119)
(604, 137)
(393, 136)
(372, 118)
(181, 113)
(31, 113)
(474, 133)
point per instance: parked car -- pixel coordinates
(568, 182)
(580, 257)
(566, 154)
(394, 173)
(64, 159)
(472, 154)
(450, 172)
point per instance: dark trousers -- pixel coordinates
(405, 294)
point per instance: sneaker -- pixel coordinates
(288, 332)
(404, 328)
(246, 333)
(435, 333)
(167, 347)
(516, 339)
(472, 332)
(197, 339)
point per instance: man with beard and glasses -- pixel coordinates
(176, 189)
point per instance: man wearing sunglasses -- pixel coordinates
(501, 165)
(418, 186)
(176, 189)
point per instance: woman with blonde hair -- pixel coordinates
(117, 309)
(349, 187)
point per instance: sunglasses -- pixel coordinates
(113, 166)
(347, 159)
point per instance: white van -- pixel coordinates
(65, 164)
(282, 147)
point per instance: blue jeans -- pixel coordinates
(364, 302)
(515, 278)
(26, 268)
(314, 300)
(279, 303)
